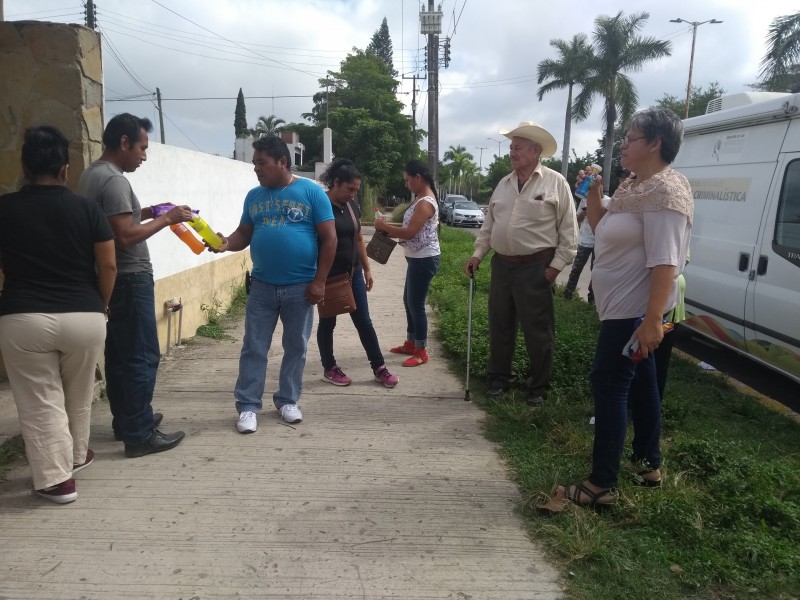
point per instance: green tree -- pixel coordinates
(270, 125)
(460, 160)
(499, 168)
(780, 66)
(240, 117)
(567, 71)
(381, 46)
(311, 138)
(698, 100)
(617, 48)
(575, 164)
(366, 119)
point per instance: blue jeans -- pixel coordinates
(361, 320)
(419, 274)
(619, 384)
(132, 355)
(265, 304)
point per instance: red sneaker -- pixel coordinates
(62, 493)
(420, 357)
(408, 347)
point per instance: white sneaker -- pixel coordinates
(290, 413)
(246, 422)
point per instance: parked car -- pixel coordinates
(465, 213)
(446, 208)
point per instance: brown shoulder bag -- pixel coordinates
(339, 297)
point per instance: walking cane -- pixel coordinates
(469, 328)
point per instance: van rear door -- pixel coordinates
(773, 304)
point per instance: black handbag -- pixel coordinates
(339, 298)
(380, 247)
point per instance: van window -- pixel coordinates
(787, 225)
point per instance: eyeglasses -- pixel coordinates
(627, 139)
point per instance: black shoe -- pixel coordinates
(157, 442)
(534, 400)
(157, 418)
(496, 390)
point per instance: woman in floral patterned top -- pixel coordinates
(420, 240)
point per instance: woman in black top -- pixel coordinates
(343, 181)
(58, 260)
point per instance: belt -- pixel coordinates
(547, 253)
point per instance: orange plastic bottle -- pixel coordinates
(187, 237)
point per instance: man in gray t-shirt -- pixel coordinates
(132, 351)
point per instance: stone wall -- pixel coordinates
(51, 74)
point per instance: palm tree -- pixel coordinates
(567, 71)
(617, 48)
(270, 125)
(783, 54)
(460, 159)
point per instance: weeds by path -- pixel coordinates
(725, 524)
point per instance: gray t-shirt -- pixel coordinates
(105, 183)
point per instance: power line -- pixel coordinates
(206, 45)
(138, 99)
(228, 40)
(208, 37)
(50, 14)
(121, 62)
(191, 141)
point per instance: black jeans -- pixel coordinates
(362, 322)
(581, 258)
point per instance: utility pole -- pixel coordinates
(695, 25)
(480, 168)
(90, 12)
(160, 114)
(414, 103)
(498, 145)
(431, 25)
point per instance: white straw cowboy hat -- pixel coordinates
(536, 133)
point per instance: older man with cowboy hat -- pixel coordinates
(531, 226)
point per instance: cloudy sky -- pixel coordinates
(200, 52)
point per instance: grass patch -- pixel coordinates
(214, 327)
(9, 451)
(726, 522)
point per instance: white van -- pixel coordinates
(743, 281)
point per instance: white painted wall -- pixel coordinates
(215, 185)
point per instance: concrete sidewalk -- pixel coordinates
(378, 493)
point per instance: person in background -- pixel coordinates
(585, 252)
(664, 351)
(641, 244)
(132, 350)
(530, 225)
(287, 222)
(343, 181)
(57, 256)
(420, 240)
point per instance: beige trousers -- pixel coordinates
(50, 359)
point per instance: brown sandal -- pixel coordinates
(641, 478)
(595, 500)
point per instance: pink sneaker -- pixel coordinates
(336, 376)
(383, 376)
